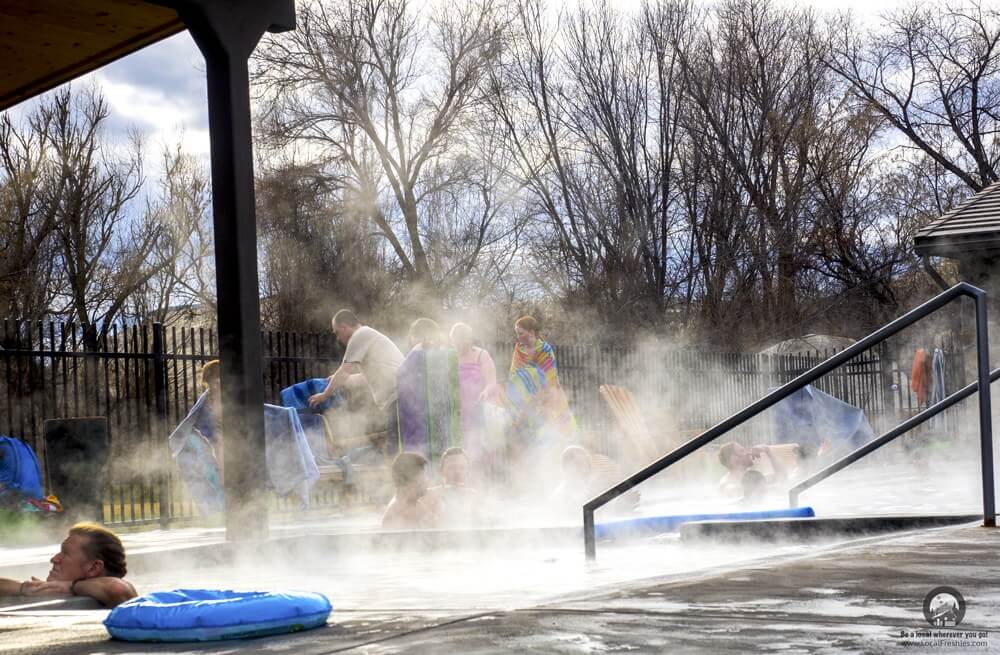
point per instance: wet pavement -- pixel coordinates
(863, 596)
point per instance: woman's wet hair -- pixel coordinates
(210, 373)
(102, 544)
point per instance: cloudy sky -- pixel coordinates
(161, 89)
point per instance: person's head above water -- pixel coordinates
(526, 329)
(89, 551)
(409, 477)
(425, 332)
(454, 467)
(345, 324)
(735, 457)
(576, 463)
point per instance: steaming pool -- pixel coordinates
(510, 566)
(460, 579)
(514, 567)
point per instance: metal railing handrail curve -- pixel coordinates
(937, 302)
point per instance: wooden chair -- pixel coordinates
(630, 420)
(646, 447)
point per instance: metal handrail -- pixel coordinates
(891, 435)
(821, 369)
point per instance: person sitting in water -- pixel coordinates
(408, 507)
(755, 487)
(91, 562)
(738, 460)
(454, 501)
(584, 475)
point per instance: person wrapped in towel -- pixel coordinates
(427, 390)
(534, 395)
(197, 445)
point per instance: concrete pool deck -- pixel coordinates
(860, 596)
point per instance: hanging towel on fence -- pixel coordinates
(428, 401)
(937, 384)
(291, 466)
(920, 376)
(810, 416)
(937, 376)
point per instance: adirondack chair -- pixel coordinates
(639, 442)
(642, 445)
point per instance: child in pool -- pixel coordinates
(408, 507)
(454, 501)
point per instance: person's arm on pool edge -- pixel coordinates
(106, 590)
(10, 587)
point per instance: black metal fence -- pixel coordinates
(144, 378)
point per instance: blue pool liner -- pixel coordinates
(658, 524)
(213, 615)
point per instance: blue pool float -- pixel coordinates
(212, 615)
(656, 524)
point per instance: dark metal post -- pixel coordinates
(160, 398)
(227, 31)
(985, 413)
(589, 536)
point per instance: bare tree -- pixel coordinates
(593, 129)
(184, 287)
(27, 217)
(933, 73)
(104, 253)
(381, 94)
(315, 257)
(756, 79)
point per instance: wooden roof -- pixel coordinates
(971, 228)
(44, 43)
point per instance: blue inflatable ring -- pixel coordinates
(211, 615)
(655, 524)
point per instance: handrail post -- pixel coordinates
(589, 538)
(985, 413)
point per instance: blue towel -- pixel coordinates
(810, 415)
(291, 467)
(297, 395)
(19, 468)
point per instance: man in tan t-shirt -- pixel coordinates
(374, 356)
